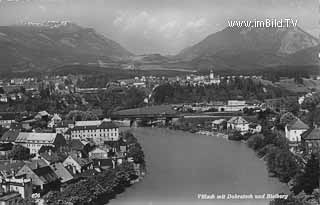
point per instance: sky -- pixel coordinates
(160, 26)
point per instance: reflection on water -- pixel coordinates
(182, 165)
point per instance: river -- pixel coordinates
(181, 165)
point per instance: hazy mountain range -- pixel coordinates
(43, 46)
(236, 48)
(53, 44)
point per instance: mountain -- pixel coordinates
(308, 56)
(43, 46)
(247, 48)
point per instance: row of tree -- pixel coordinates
(232, 89)
(283, 164)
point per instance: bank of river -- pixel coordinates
(181, 165)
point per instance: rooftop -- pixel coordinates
(9, 136)
(237, 120)
(7, 116)
(32, 136)
(297, 124)
(88, 123)
(8, 196)
(61, 172)
(311, 134)
(46, 174)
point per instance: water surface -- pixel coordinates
(182, 165)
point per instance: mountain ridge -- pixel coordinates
(235, 48)
(54, 43)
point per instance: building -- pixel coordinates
(10, 198)
(98, 132)
(77, 164)
(8, 169)
(5, 150)
(218, 125)
(243, 125)
(214, 79)
(42, 115)
(55, 120)
(43, 178)
(20, 185)
(63, 126)
(99, 153)
(294, 129)
(9, 137)
(49, 157)
(6, 119)
(311, 140)
(3, 98)
(34, 141)
(238, 123)
(62, 172)
(279, 104)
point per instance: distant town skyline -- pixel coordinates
(165, 27)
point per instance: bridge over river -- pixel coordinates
(166, 113)
(181, 165)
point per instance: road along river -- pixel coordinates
(181, 165)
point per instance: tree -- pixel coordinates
(236, 136)
(135, 151)
(20, 153)
(78, 115)
(256, 142)
(46, 149)
(163, 93)
(282, 164)
(129, 138)
(134, 97)
(309, 179)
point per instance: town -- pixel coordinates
(54, 134)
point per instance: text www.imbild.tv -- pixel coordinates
(266, 23)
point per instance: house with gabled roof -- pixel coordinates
(243, 125)
(311, 140)
(9, 169)
(77, 164)
(99, 153)
(294, 130)
(50, 157)
(34, 141)
(43, 179)
(62, 172)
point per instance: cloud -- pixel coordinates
(167, 25)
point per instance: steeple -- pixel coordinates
(211, 76)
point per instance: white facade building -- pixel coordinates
(96, 131)
(294, 129)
